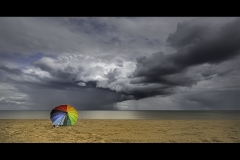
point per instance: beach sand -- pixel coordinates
(123, 131)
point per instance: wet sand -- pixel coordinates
(123, 131)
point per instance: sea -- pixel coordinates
(139, 114)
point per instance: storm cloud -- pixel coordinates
(194, 48)
(196, 44)
(98, 62)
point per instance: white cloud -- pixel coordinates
(18, 99)
(81, 84)
(84, 69)
(2, 99)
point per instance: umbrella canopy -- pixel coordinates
(64, 115)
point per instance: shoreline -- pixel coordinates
(120, 131)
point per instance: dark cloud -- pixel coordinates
(190, 32)
(215, 99)
(66, 74)
(196, 44)
(81, 99)
(61, 80)
(218, 45)
(208, 50)
(208, 99)
(139, 94)
(11, 71)
(47, 93)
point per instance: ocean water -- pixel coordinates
(127, 114)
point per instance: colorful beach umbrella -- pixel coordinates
(64, 115)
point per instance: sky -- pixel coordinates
(120, 63)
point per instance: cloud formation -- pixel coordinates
(196, 44)
(95, 62)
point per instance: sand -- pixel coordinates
(120, 131)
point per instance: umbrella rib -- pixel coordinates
(63, 118)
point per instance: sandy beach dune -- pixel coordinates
(124, 131)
